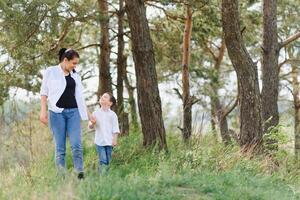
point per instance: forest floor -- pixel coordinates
(203, 169)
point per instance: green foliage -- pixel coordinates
(168, 36)
(32, 32)
(277, 135)
(203, 169)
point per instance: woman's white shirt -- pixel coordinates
(53, 86)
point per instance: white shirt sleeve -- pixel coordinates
(116, 129)
(44, 86)
(80, 97)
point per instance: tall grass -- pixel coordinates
(203, 169)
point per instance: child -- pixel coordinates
(105, 123)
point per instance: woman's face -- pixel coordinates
(71, 64)
(105, 100)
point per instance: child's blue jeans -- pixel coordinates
(63, 124)
(104, 154)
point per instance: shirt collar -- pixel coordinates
(63, 73)
(105, 110)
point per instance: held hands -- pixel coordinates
(93, 119)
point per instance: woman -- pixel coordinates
(62, 88)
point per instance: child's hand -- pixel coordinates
(93, 119)
(114, 142)
(92, 122)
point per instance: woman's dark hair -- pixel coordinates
(67, 53)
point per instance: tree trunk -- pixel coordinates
(213, 115)
(217, 107)
(131, 101)
(249, 96)
(224, 130)
(270, 70)
(149, 101)
(222, 120)
(104, 67)
(125, 124)
(121, 65)
(297, 132)
(296, 98)
(187, 102)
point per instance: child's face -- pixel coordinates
(105, 100)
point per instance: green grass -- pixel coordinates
(204, 169)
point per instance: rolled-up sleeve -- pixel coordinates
(44, 85)
(116, 129)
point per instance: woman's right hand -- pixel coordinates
(44, 117)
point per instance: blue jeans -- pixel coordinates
(62, 125)
(104, 154)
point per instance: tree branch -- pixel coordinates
(228, 109)
(285, 75)
(211, 52)
(178, 93)
(289, 40)
(194, 100)
(287, 61)
(88, 46)
(168, 15)
(88, 74)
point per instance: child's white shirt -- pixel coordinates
(106, 125)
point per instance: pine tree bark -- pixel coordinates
(121, 70)
(216, 106)
(296, 99)
(121, 60)
(249, 94)
(104, 65)
(131, 101)
(213, 115)
(149, 101)
(187, 101)
(270, 70)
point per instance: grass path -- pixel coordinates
(203, 170)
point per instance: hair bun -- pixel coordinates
(67, 53)
(61, 53)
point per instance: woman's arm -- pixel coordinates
(90, 115)
(44, 96)
(43, 114)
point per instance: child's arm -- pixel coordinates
(116, 130)
(115, 139)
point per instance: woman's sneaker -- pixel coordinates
(80, 175)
